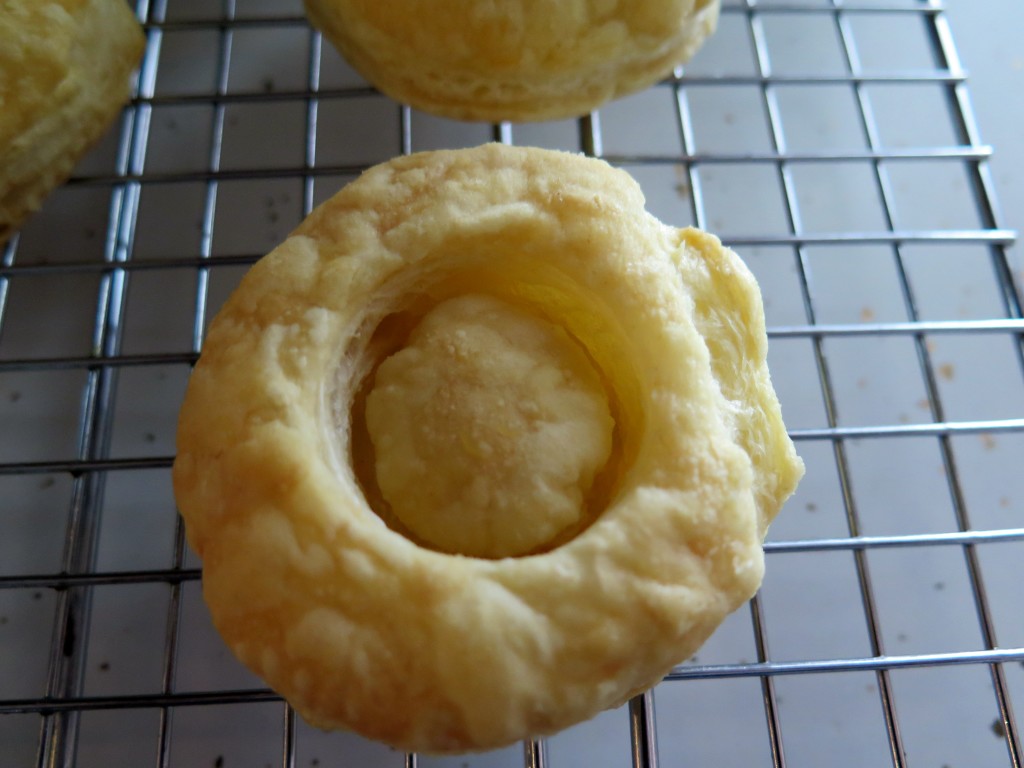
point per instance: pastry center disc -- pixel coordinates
(488, 428)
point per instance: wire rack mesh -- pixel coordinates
(832, 143)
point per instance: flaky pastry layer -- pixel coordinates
(515, 60)
(355, 622)
(488, 428)
(64, 75)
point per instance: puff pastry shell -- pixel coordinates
(513, 60)
(64, 74)
(360, 626)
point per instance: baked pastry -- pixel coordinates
(512, 322)
(516, 60)
(64, 74)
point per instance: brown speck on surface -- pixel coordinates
(867, 314)
(999, 728)
(988, 442)
(3, 620)
(939, 586)
(268, 84)
(729, 118)
(811, 506)
(104, 666)
(923, 404)
(46, 482)
(149, 437)
(683, 190)
(37, 595)
(901, 637)
(315, 761)
(862, 383)
(947, 371)
(870, 688)
(930, 345)
(14, 396)
(903, 418)
(1004, 502)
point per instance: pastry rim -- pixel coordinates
(556, 657)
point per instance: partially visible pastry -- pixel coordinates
(481, 450)
(516, 60)
(65, 69)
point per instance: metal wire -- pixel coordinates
(63, 702)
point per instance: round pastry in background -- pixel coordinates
(481, 450)
(65, 68)
(519, 60)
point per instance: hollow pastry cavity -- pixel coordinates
(488, 428)
(363, 624)
(513, 60)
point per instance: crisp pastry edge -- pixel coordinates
(109, 42)
(428, 638)
(513, 97)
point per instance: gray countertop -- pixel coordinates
(823, 146)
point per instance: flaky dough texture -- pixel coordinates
(360, 626)
(64, 74)
(516, 60)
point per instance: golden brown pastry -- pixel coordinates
(515, 60)
(481, 450)
(64, 75)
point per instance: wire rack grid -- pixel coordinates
(831, 143)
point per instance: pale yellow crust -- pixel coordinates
(488, 428)
(360, 627)
(517, 60)
(65, 69)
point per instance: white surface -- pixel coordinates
(811, 601)
(988, 36)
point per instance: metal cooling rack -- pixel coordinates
(832, 143)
